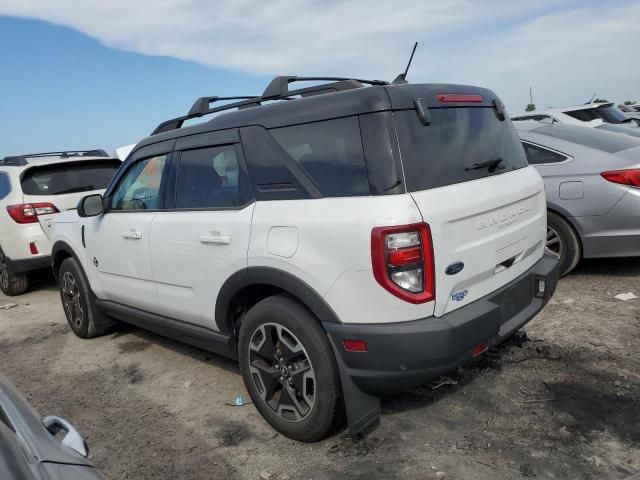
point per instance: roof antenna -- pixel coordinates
(591, 99)
(402, 78)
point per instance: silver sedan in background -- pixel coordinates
(592, 185)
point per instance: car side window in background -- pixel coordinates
(330, 153)
(5, 185)
(139, 188)
(538, 155)
(585, 115)
(211, 178)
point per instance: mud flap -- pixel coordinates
(362, 409)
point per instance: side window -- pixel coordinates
(5, 185)
(585, 115)
(139, 188)
(537, 155)
(330, 153)
(210, 178)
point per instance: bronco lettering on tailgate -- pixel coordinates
(504, 218)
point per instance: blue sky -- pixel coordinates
(63, 90)
(96, 74)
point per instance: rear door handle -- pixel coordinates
(132, 234)
(215, 238)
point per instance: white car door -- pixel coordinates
(202, 237)
(117, 242)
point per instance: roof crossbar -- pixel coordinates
(279, 86)
(278, 89)
(201, 106)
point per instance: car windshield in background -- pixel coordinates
(69, 177)
(456, 141)
(589, 137)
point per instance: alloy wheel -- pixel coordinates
(554, 242)
(71, 300)
(282, 372)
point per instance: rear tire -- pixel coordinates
(85, 320)
(289, 369)
(11, 284)
(563, 240)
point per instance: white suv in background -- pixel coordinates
(590, 115)
(356, 241)
(33, 189)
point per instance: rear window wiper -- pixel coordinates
(492, 164)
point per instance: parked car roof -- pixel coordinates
(605, 141)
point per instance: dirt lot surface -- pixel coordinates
(566, 405)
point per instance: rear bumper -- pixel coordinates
(402, 356)
(29, 264)
(615, 234)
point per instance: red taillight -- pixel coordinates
(33, 248)
(459, 98)
(629, 177)
(355, 345)
(402, 260)
(479, 349)
(28, 212)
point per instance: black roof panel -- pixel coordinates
(315, 108)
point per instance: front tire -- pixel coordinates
(83, 317)
(563, 240)
(11, 284)
(289, 369)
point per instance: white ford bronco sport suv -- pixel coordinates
(341, 241)
(33, 189)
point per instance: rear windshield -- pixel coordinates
(444, 152)
(69, 177)
(608, 114)
(590, 137)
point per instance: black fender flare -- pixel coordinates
(274, 277)
(58, 248)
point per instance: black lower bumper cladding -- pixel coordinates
(402, 356)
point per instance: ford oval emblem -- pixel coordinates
(455, 267)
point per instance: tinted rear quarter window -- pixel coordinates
(457, 138)
(69, 177)
(590, 137)
(538, 155)
(330, 153)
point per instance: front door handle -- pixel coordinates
(215, 237)
(132, 234)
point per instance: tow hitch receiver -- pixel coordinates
(519, 338)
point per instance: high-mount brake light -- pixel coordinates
(28, 212)
(402, 261)
(459, 98)
(629, 177)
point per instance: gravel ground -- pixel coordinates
(566, 405)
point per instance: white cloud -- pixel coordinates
(565, 49)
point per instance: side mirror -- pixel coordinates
(72, 439)
(90, 206)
